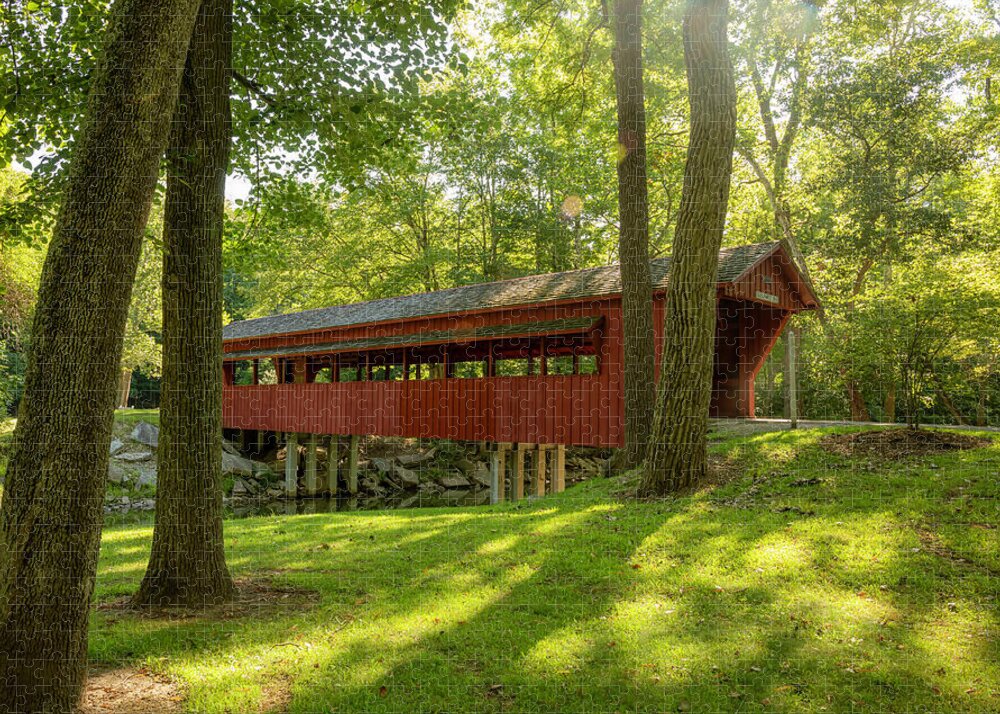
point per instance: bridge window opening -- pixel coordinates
(320, 369)
(586, 364)
(469, 369)
(243, 373)
(267, 373)
(427, 362)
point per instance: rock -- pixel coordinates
(116, 445)
(465, 465)
(146, 433)
(454, 481)
(236, 465)
(147, 477)
(409, 502)
(228, 447)
(241, 488)
(482, 474)
(455, 494)
(414, 459)
(407, 477)
(261, 470)
(125, 500)
(134, 456)
(383, 466)
(116, 474)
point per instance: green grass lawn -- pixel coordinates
(874, 590)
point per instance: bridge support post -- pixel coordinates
(260, 442)
(352, 465)
(498, 472)
(311, 480)
(559, 470)
(292, 465)
(517, 478)
(540, 457)
(332, 459)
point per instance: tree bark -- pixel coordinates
(50, 520)
(187, 565)
(678, 448)
(633, 240)
(889, 404)
(124, 388)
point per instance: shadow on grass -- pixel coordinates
(581, 603)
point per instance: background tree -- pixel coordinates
(51, 514)
(678, 446)
(633, 229)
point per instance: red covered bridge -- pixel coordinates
(533, 360)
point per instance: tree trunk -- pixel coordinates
(50, 520)
(678, 449)
(889, 405)
(786, 366)
(124, 388)
(859, 410)
(633, 240)
(187, 565)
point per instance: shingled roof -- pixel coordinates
(530, 290)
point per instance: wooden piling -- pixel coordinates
(498, 472)
(352, 465)
(517, 478)
(311, 480)
(559, 470)
(540, 457)
(332, 459)
(292, 465)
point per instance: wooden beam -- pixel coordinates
(498, 472)
(559, 470)
(332, 459)
(352, 465)
(311, 480)
(517, 478)
(540, 458)
(292, 465)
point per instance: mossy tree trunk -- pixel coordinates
(187, 565)
(633, 240)
(50, 520)
(678, 448)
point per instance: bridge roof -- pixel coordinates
(530, 290)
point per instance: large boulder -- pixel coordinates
(383, 466)
(482, 474)
(242, 487)
(146, 433)
(147, 476)
(116, 474)
(407, 477)
(454, 481)
(466, 466)
(415, 459)
(135, 456)
(236, 465)
(116, 446)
